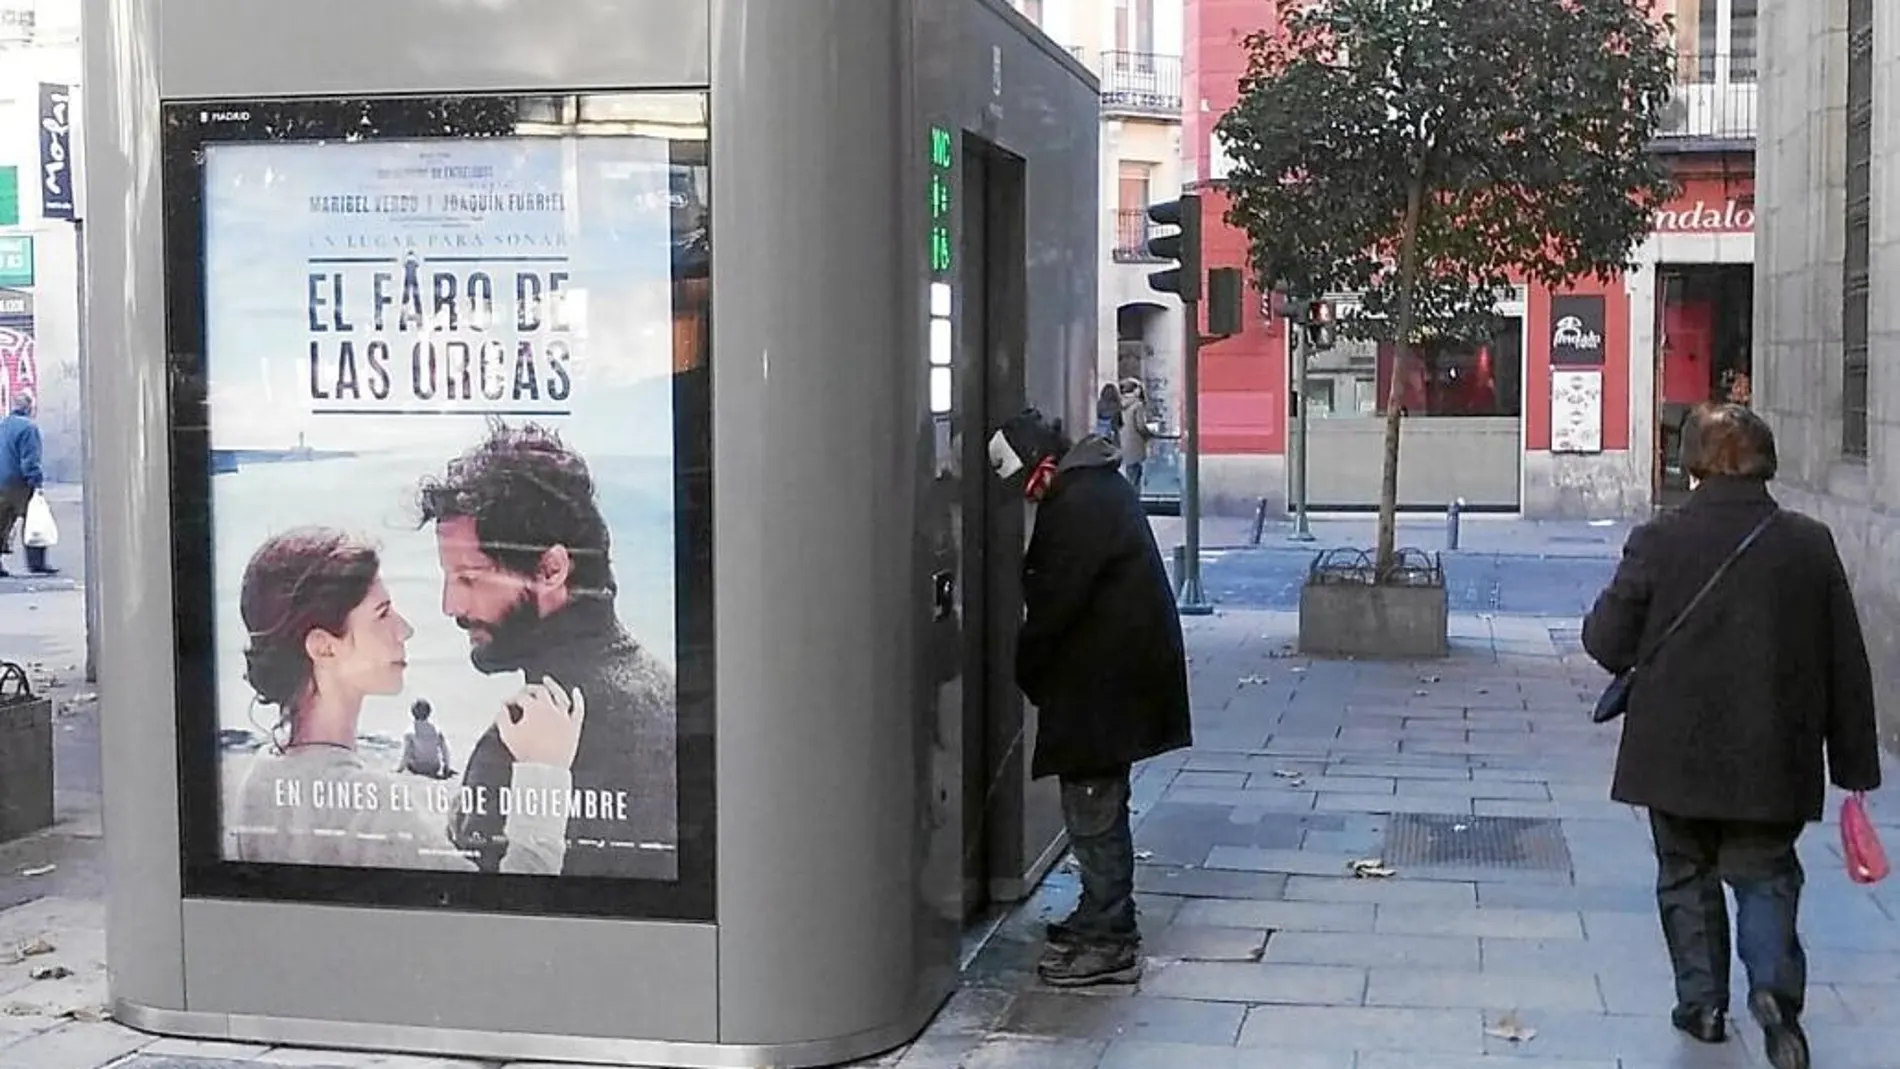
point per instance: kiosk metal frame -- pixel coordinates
(844, 568)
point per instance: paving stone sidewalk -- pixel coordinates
(1518, 903)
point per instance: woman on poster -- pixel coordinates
(323, 636)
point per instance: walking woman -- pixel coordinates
(1737, 720)
(1108, 412)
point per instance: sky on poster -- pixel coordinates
(278, 213)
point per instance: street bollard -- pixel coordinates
(1451, 522)
(1259, 523)
(1180, 568)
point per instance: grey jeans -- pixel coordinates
(1095, 812)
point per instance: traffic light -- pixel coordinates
(1182, 247)
(1319, 324)
(1224, 289)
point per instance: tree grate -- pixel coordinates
(1434, 840)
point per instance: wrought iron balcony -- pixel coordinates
(1132, 231)
(1141, 83)
(1713, 106)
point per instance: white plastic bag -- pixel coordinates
(39, 531)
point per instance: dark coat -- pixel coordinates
(628, 744)
(1100, 654)
(1731, 718)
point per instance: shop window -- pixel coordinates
(1459, 378)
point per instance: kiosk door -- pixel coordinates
(992, 323)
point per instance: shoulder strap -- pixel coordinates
(1720, 570)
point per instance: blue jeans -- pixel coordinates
(1095, 812)
(1694, 858)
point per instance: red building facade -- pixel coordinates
(1572, 410)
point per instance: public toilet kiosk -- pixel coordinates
(554, 605)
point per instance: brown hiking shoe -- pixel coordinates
(1084, 966)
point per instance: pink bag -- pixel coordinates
(1860, 843)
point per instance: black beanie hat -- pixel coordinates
(1033, 436)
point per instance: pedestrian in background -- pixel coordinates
(1735, 722)
(1108, 412)
(20, 479)
(1138, 428)
(1102, 659)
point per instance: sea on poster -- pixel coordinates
(439, 376)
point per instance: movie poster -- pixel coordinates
(439, 378)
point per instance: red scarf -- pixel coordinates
(1039, 479)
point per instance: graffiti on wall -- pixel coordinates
(21, 367)
(54, 390)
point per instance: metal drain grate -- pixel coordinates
(1432, 840)
(1567, 639)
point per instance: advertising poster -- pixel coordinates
(1576, 412)
(439, 377)
(21, 369)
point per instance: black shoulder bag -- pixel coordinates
(1615, 700)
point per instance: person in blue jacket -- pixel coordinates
(19, 478)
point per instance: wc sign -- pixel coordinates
(56, 151)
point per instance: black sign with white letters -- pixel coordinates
(1576, 331)
(56, 151)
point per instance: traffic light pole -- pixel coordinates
(1301, 532)
(1193, 601)
(1183, 248)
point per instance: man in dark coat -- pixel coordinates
(1737, 721)
(527, 573)
(1101, 657)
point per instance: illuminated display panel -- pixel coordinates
(440, 432)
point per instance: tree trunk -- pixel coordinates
(1395, 389)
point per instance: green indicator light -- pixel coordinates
(940, 248)
(941, 160)
(939, 198)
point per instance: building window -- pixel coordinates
(1854, 264)
(1715, 40)
(1458, 378)
(1132, 194)
(1135, 26)
(1132, 228)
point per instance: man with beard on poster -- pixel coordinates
(527, 574)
